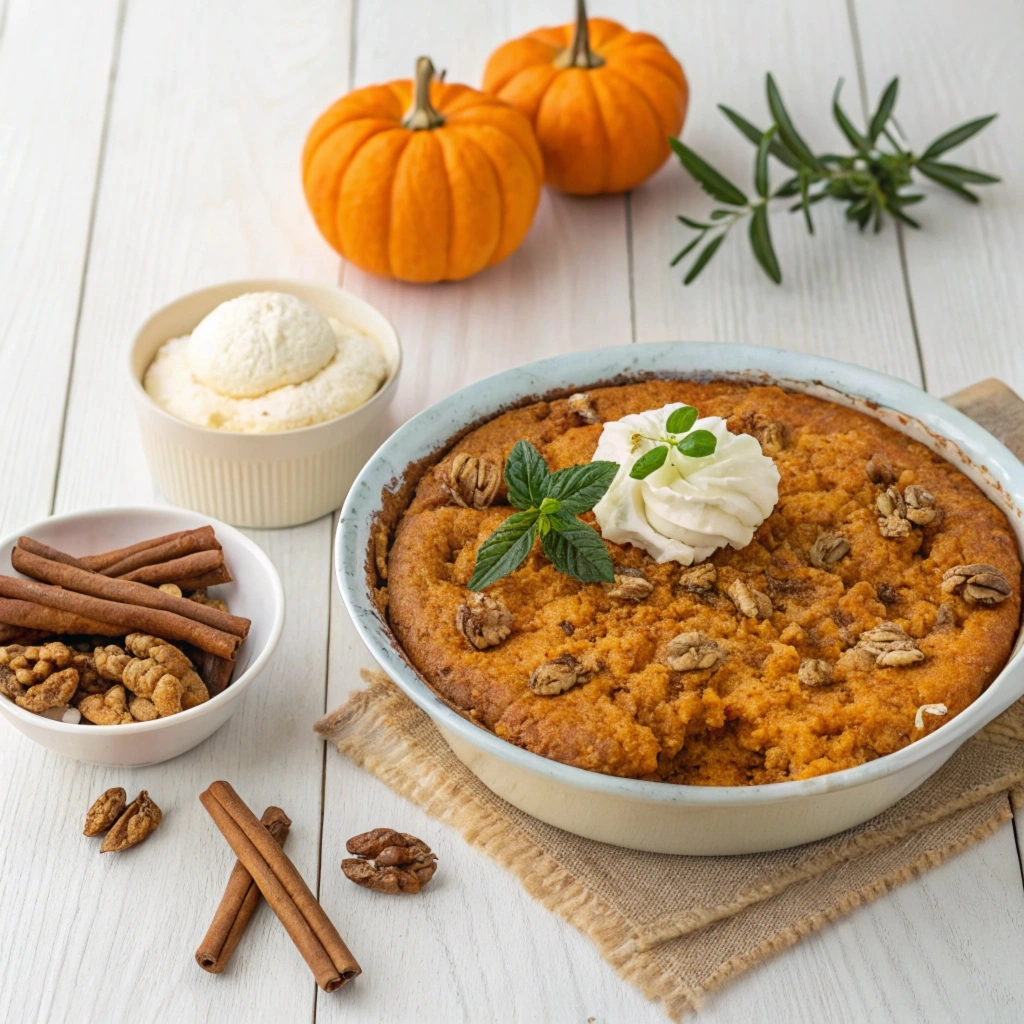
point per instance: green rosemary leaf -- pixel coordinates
(956, 137)
(901, 216)
(790, 187)
(754, 134)
(526, 475)
(963, 175)
(649, 462)
(721, 214)
(761, 163)
(938, 174)
(790, 136)
(909, 200)
(692, 244)
(580, 488)
(846, 125)
(761, 243)
(681, 420)
(805, 204)
(505, 550)
(881, 116)
(715, 184)
(577, 550)
(703, 258)
(695, 224)
(700, 443)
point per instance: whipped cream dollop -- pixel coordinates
(690, 507)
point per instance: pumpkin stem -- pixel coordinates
(578, 53)
(422, 114)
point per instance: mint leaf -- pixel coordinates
(698, 444)
(681, 420)
(580, 488)
(505, 550)
(577, 550)
(647, 464)
(526, 476)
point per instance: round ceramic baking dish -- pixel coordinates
(654, 816)
(261, 480)
(256, 594)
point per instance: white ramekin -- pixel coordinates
(260, 480)
(656, 816)
(256, 594)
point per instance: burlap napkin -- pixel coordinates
(680, 926)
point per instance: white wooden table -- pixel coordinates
(148, 147)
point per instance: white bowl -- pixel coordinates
(256, 594)
(261, 480)
(660, 817)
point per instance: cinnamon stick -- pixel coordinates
(283, 888)
(125, 618)
(238, 904)
(107, 558)
(175, 569)
(48, 620)
(36, 547)
(215, 672)
(202, 539)
(208, 579)
(85, 582)
(20, 635)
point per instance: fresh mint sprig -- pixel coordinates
(695, 443)
(549, 504)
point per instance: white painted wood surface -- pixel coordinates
(152, 147)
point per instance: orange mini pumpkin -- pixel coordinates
(422, 181)
(602, 100)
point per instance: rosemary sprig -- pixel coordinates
(870, 181)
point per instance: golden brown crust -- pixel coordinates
(749, 719)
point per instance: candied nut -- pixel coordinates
(579, 405)
(201, 597)
(111, 661)
(469, 481)
(890, 503)
(53, 692)
(978, 583)
(921, 510)
(105, 810)
(879, 469)
(690, 652)
(139, 819)
(887, 594)
(484, 621)
(828, 549)
(899, 659)
(557, 676)
(110, 708)
(162, 674)
(893, 526)
(630, 585)
(89, 679)
(698, 579)
(142, 709)
(814, 672)
(170, 588)
(890, 646)
(390, 862)
(753, 604)
(32, 665)
(9, 685)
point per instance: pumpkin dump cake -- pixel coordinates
(866, 606)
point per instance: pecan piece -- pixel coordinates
(752, 604)
(32, 665)
(698, 579)
(53, 692)
(890, 645)
(771, 436)
(484, 621)
(106, 809)
(879, 469)
(921, 510)
(630, 585)
(828, 549)
(110, 708)
(162, 674)
(690, 652)
(945, 618)
(814, 672)
(111, 661)
(469, 481)
(978, 583)
(389, 861)
(579, 405)
(139, 819)
(557, 676)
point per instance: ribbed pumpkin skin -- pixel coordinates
(437, 204)
(601, 129)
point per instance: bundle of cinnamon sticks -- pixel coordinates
(117, 592)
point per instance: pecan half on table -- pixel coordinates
(388, 861)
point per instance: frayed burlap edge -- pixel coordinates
(414, 775)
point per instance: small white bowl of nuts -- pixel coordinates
(129, 635)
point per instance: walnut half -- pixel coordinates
(814, 672)
(470, 482)
(630, 585)
(978, 583)
(691, 652)
(484, 621)
(557, 676)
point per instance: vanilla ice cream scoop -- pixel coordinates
(260, 341)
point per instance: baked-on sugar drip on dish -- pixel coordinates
(265, 362)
